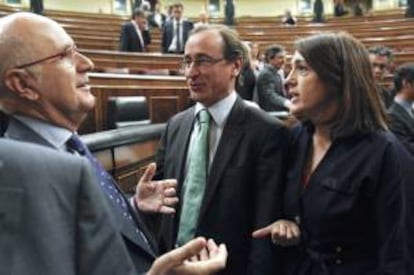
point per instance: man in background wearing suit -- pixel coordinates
(176, 31)
(401, 110)
(135, 36)
(242, 157)
(45, 90)
(36, 6)
(270, 82)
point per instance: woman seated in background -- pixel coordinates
(343, 196)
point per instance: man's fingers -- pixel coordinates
(170, 201)
(149, 172)
(169, 192)
(166, 210)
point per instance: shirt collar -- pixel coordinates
(220, 110)
(57, 136)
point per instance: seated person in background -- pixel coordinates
(270, 82)
(347, 174)
(339, 8)
(135, 36)
(45, 90)
(401, 110)
(157, 19)
(49, 203)
(203, 19)
(381, 59)
(288, 19)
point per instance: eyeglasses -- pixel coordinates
(67, 52)
(201, 62)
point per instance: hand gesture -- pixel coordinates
(283, 233)
(155, 196)
(197, 257)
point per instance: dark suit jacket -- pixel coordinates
(351, 210)
(54, 219)
(402, 125)
(270, 89)
(168, 34)
(243, 188)
(142, 256)
(129, 40)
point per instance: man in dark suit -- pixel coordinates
(36, 6)
(401, 110)
(135, 36)
(176, 31)
(54, 218)
(270, 86)
(244, 163)
(48, 98)
(229, 11)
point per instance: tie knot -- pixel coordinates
(204, 116)
(75, 143)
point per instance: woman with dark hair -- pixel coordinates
(343, 196)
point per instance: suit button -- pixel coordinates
(338, 249)
(338, 261)
(297, 219)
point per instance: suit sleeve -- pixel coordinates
(164, 42)
(268, 199)
(123, 43)
(99, 247)
(388, 210)
(268, 88)
(400, 130)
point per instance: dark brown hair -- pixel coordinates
(342, 62)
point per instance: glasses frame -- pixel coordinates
(200, 62)
(69, 51)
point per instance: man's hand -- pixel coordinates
(283, 233)
(197, 257)
(155, 196)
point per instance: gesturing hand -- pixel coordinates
(197, 257)
(282, 232)
(155, 196)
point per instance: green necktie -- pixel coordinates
(195, 181)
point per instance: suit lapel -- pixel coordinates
(229, 141)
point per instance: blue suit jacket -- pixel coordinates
(168, 34)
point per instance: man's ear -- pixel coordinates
(19, 82)
(237, 65)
